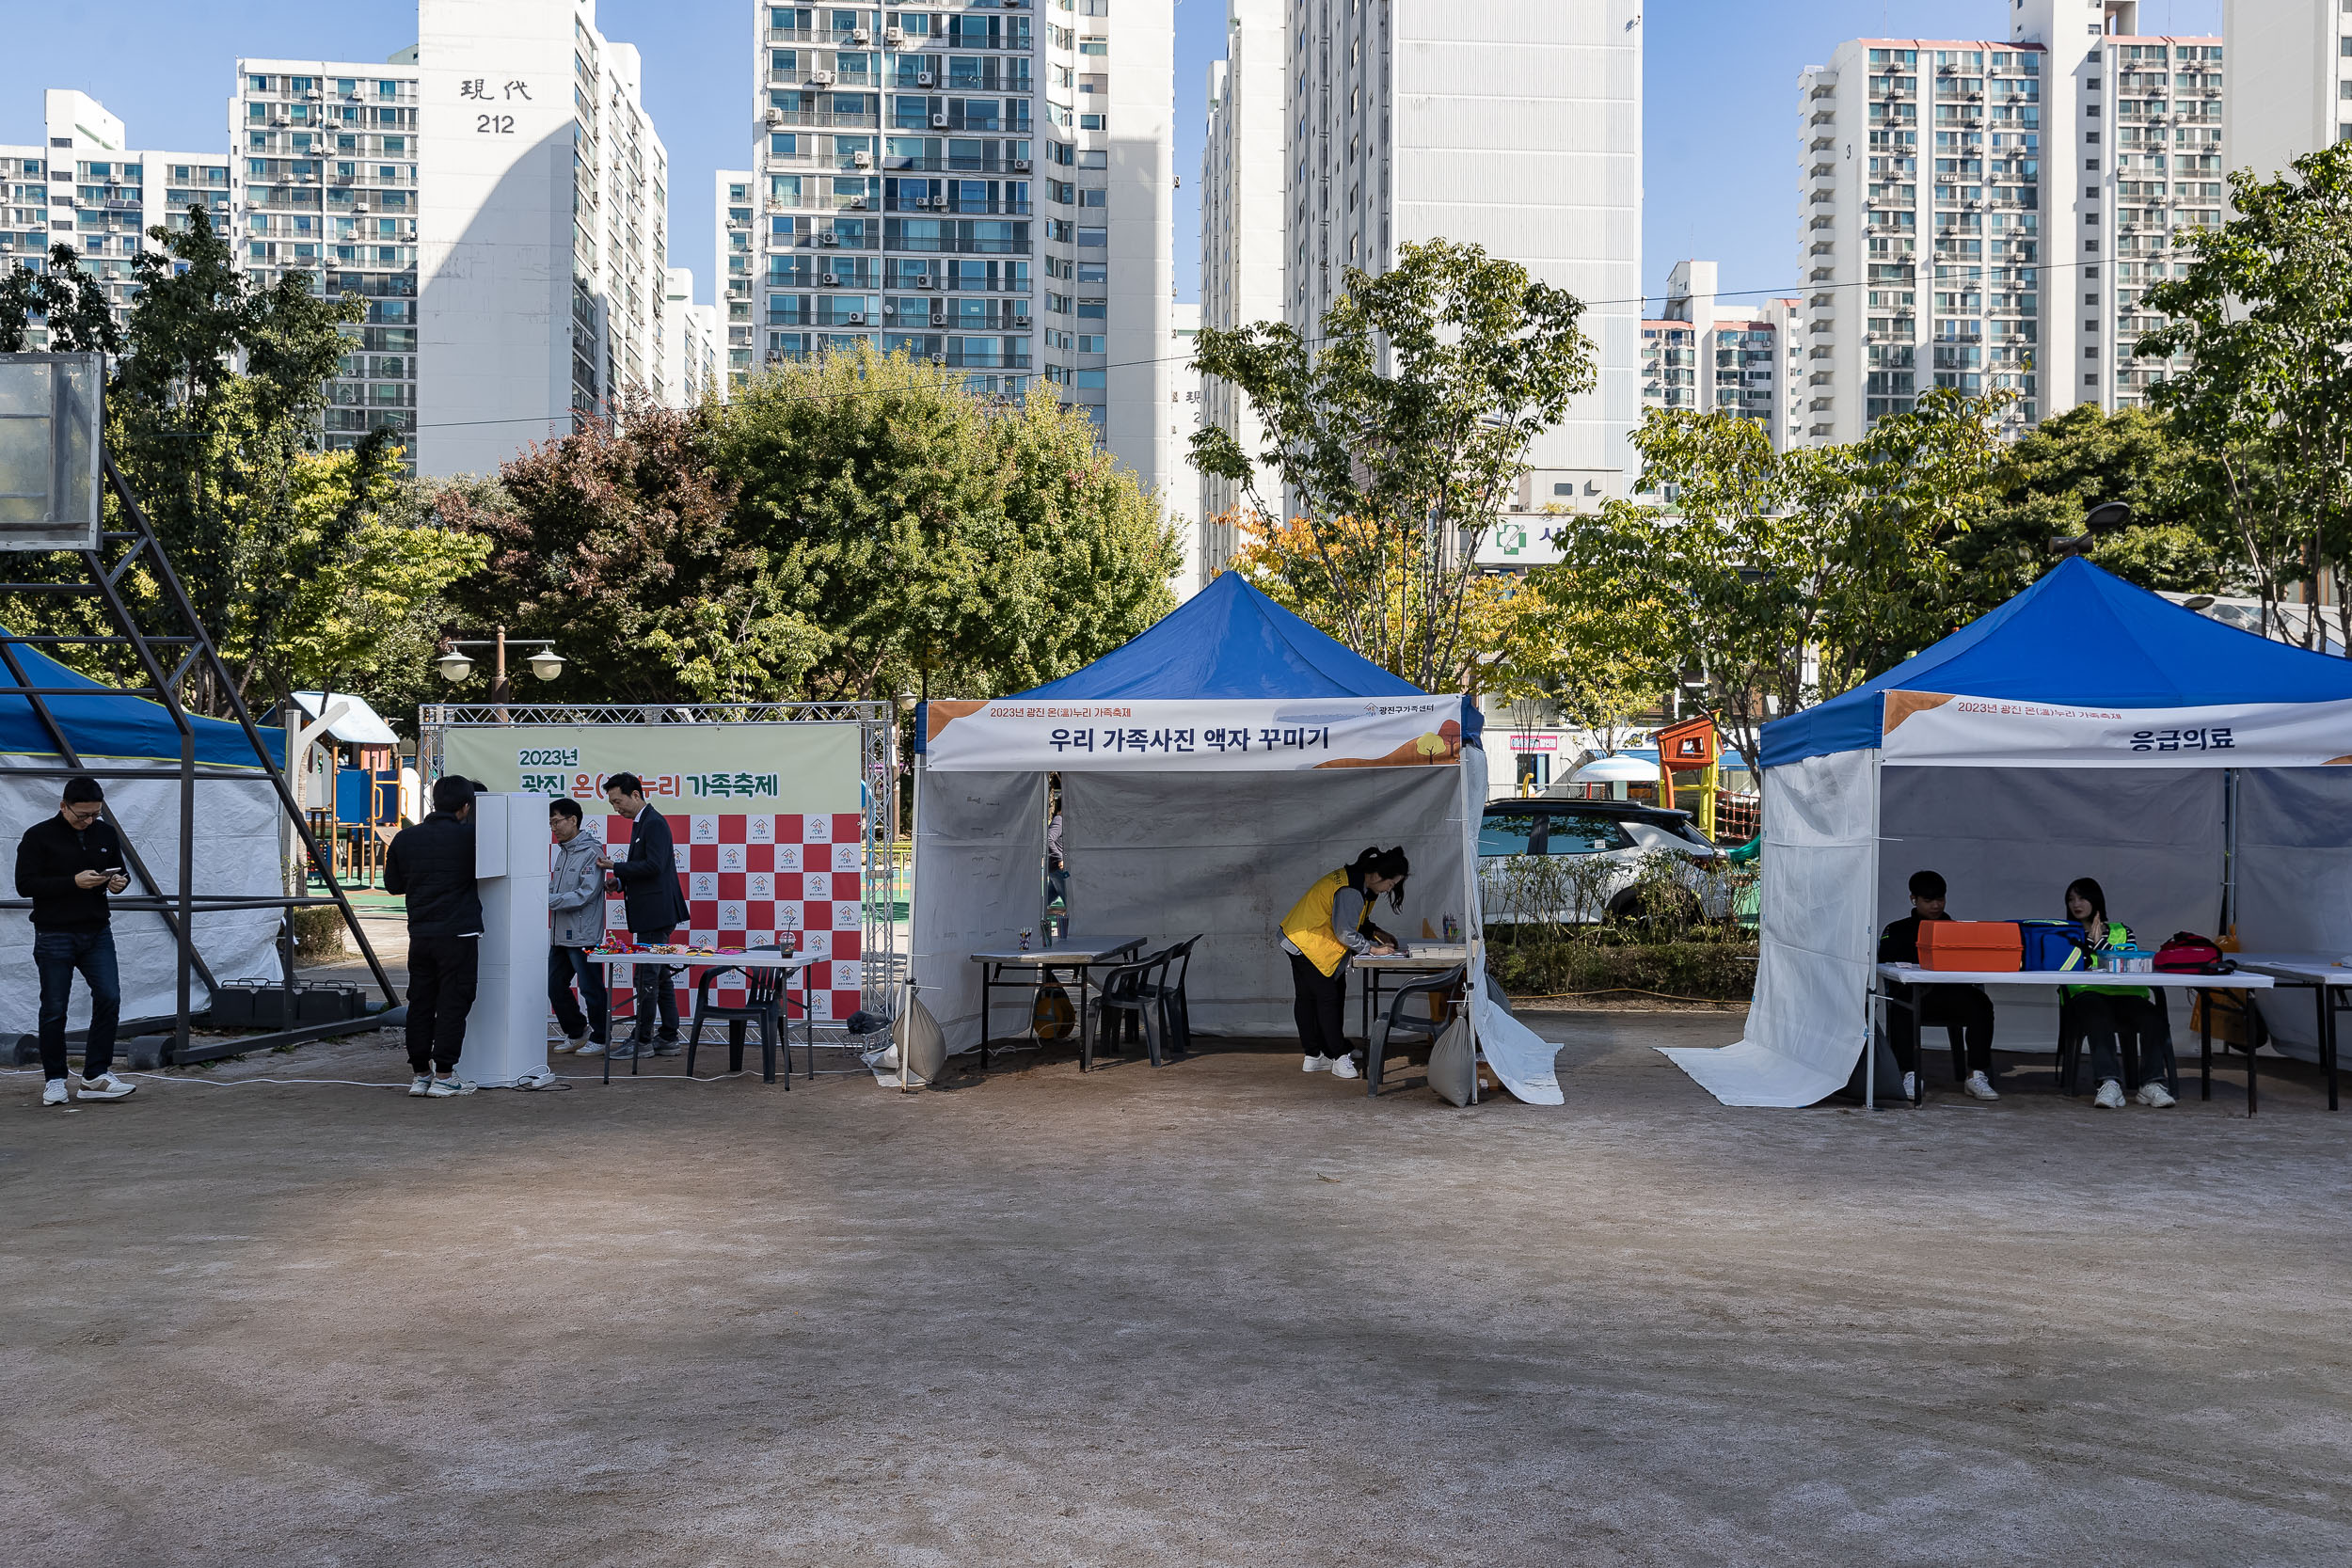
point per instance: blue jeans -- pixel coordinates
(57, 955)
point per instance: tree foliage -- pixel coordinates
(1402, 432)
(618, 544)
(942, 542)
(2264, 314)
(1777, 580)
(70, 302)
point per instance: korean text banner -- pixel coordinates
(1927, 729)
(810, 766)
(1258, 735)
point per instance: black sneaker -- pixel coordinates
(667, 1045)
(628, 1049)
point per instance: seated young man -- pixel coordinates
(1965, 1005)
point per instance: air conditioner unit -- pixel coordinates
(358, 206)
(775, 116)
(828, 237)
(923, 280)
(861, 35)
(924, 78)
(939, 318)
(280, 120)
(857, 203)
(1020, 166)
(894, 36)
(856, 318)
(1014, 5)
(1021, 314)
(820, 78)
(861, 160)
(939, 122)
(939, 359)
(773, 206)
(314, 95)
(829, 281)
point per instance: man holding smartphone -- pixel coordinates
(67, 864)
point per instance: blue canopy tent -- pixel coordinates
(1210, 769)
(2087, 727)
(237, 851)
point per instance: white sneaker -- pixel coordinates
(53, 1092)
(2110, 1095)
(444, 1088)
(421, 1085)
(105, 1087)
(1315, 1064)
(2156, 1095)
(568, 1044)
(1980, 1087)
(587, 1048)
(1345, 1066)
(1910, 1085)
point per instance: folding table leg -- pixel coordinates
(2205, 1046)
(2328, 1037)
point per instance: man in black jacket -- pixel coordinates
(1966, 1007)
(653, 906)
(431, 863)
(67, 864)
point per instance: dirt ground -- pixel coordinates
(1224, 1312)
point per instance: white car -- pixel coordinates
(1619, 835)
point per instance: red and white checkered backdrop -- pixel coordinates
(750, 879)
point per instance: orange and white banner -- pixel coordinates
(1930, 729)
(1160, 736)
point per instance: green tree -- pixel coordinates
(2179, 538)
(1403, 430)
(1772, 581)
(619, 544)
(2264, 314)
(943, 542)
(70, 302)
(211, 416)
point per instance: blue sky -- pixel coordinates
(1719, 138)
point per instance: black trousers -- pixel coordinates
(657, 992)
(1936, 1007)
(442, 972)
(1320, 1005)
(2100, 1017)
(566, 966)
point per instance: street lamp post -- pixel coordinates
(454, 666)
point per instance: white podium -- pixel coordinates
(506, 1034)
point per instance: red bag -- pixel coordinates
(2187, 953)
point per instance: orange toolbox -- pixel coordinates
(1989, 947)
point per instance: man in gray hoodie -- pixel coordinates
(576, 912)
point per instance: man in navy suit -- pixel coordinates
(654, 910)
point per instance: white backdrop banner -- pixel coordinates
(1168, 736)
(1930, 729)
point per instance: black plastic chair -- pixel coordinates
(1135, 992)
(1386, 1029)
(1175, 1008)
(2072, 1053)
(763, 1004)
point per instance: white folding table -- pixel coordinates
(1913, 974)
(2327, 978)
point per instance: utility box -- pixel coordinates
(506, 1034)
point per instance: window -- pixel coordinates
(1090, 379)
(259, 84)
(1510, 833)
(1583, 834)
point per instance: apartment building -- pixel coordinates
(2290, 81)
(734, 212)
(324, 182)
(1985, 214)
(692, 354)
(1513, 123)
(1241, 241)
(1712, 355)
(985, 185)
(542, 250)
(85, 185)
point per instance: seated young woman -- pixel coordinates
(2102, 1012)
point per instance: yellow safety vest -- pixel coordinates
(1309, 924)
(2118, 935)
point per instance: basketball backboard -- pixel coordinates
(49, 451)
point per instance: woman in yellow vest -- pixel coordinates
(2101, 1011)
(1322, 932)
